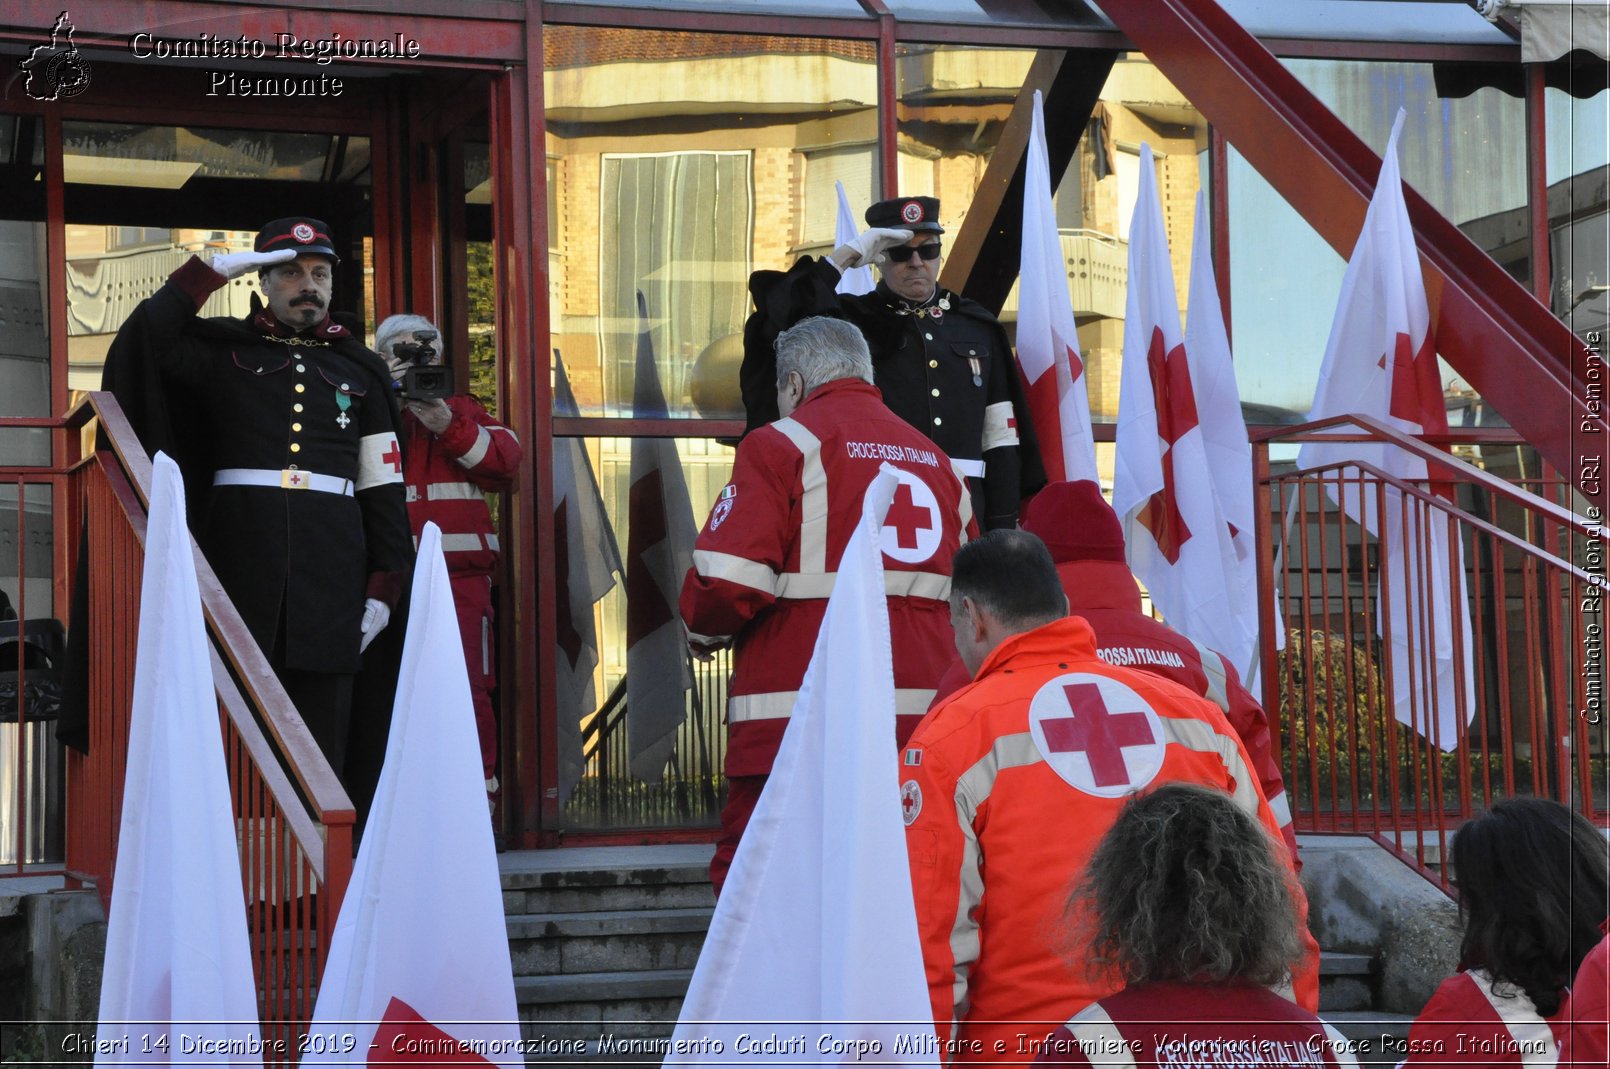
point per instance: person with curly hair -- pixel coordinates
(1533, 878)
(1188, 901)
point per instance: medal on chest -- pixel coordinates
(978, 370)
(343, 402)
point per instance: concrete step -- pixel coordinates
(606, 879)
(607, 940)
(1346, 981)
(1375, 1038)
(603, 1008)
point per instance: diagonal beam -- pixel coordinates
(1522, 359)
(982, 261)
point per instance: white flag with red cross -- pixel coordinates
(419, 969)
(177, 986)
(821, 875)
(1381, 361)
(1047, 340)
(1224, 437)
(1176, 537)
(659, 552)
(586, 561)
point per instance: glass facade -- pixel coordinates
(25, 373)
(679, 163)
(687, 146)
(142, 199)
(1466, 156)
(1579, 211)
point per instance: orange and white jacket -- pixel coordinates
(765, 563)
(1027, 766)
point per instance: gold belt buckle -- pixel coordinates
(294, 480)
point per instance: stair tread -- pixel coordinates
(610, 922)
(601, 986)
(1344, 963)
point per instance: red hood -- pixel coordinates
(1099, 584)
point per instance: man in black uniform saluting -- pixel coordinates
(286, 431)
(941, 361)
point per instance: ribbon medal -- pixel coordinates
(978, 370)
(343, 401)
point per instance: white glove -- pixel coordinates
(235, 264)
(867, 248)
(376, 615)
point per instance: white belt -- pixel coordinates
(287, 479)
(973, 469)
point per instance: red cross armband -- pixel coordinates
(1000, 425)
(379, 460)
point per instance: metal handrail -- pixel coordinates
(1521, 734)
(294, 819)
(331, 807)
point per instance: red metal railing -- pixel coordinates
(293, 818)
(1357, 671)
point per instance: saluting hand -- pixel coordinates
(435, 415)
(235, 264)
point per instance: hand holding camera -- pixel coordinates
(433, 413)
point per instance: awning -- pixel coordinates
(1551, 28)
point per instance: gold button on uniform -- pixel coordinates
(297, 407)
(295, 448)
(298, 426)
(934, 392)
(299, 367)
(300, 388)
(933, 363)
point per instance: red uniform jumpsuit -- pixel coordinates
(1469, 1022)
(1027, 767)
(1587, 1036)
(1190, 1025)
(764, 565)
(446, 477)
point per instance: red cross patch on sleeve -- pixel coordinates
(379, 460)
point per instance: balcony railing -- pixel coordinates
(293, 818)
(1363, 747)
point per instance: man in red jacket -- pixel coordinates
(764, 564)
(455, 453)
(1087, 542)
(1009, 784)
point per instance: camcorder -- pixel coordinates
(423, 381)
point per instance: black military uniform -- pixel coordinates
(293, 473)
(943, 366)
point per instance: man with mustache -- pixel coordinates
(286, 429)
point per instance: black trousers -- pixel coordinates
(323, 698)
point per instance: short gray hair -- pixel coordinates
(393, 329)
(820, 350)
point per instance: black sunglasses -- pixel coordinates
(901, 253)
